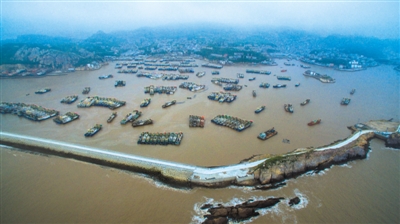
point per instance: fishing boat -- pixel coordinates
(254, 93)
(345, 101)
(69, 99)
(297, 84)
(142, 122)
(41, 91)
(112, 116)
(201, 74)
(86, 90)
(92, 131)
(279, 86)
(258, 110)
(305, 102)
(267, 134)
(314, 122)
(264, 85)
(167, 104)
(145, 102)
(119, 83)
(353, 91)
(287, 78)
(66, 118)
(106, 76)
(131, 117)
(288, 108)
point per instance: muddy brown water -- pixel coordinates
(37, 188)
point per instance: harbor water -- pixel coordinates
(38, 188)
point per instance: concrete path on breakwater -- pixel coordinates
(238, 172)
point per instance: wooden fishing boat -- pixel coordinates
(112, 116)
(314, 122)
(305, 102)
(267, 134)
(258, 110)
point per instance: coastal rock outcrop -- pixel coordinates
(294, 201)
(246, 210)
(280, 167)
(393, 141)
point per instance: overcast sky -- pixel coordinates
(82, 18)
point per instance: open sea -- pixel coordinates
(38, 188)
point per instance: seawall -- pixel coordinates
(172, 173)
(262, 169)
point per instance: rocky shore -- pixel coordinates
(221, 214)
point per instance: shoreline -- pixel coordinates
(255, 171)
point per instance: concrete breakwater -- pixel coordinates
(260, 169)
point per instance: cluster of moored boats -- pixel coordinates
(111, 103)
(224, 80)
(235, 123)
(222, 97)
(258, 72)
(196, 121)
(287, 78)
(163, 76)
(192, 86)
(29, 111)
(160, 89)
(66, 118)
(128, 71)
(322, 78)
(69, 99)
(168, 138)
(279, 86)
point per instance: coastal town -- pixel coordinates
(23, 60)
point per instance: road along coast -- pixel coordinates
(260, 169)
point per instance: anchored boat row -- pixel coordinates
(196, 121)
(29, 111)
(222, 97)
(168, 138)
(235, 123)
(191, 86)
(66, 118)
(111, 103)
(160, 89)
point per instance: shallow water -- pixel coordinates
(51, 189)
